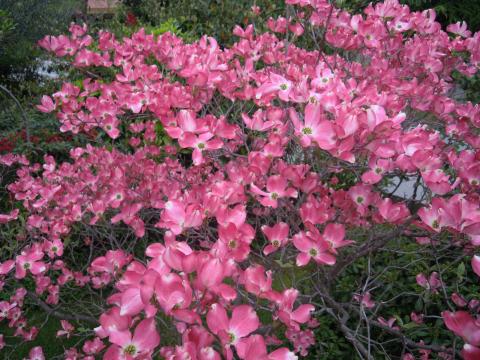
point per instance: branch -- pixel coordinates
(365, 249)
(408, 342)
(24, 115)
(60, 314)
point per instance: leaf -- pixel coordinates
(410, 325)
(284, 265)
(461, 271)
(419, 305)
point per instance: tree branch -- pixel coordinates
(60, 314)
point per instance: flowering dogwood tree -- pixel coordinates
(226, 192)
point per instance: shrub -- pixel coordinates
(258, 201)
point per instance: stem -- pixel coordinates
(24, 115)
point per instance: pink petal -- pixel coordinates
(217, 319)
(146, 336)
(244, 320)
(476, 264)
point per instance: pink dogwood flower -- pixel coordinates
(277, 187)
(315, 128)
(312, 246)
(67, 329)
(463, 325)
(277, 235)
(126, 347)
(30, 261)
(242, 323)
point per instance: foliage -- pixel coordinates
(6, 25)
(212, 17)
(25, 23)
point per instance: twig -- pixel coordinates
(60, 314)
(24, 115)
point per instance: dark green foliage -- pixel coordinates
(22, 24)
(212, 17)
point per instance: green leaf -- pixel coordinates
(284, 265)
(419, 305)
(460, 271)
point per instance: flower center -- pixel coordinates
(274, 196)
(201, 146)
(231, 337)
(313, 252)
(130, 350)
(232, 244)
(276, 243)
(435, 224)
(284, 86)
(26, 266)
(307, 131)
(360, 199)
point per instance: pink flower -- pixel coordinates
(416, 318)
(112, 321)
(312, 245)
(277, 187)
(111, 263)
(93, 346)
(211, 272)
(243, 322)
(276, 84)
(178, 216)
(173, 293)
(178, 254)
(257, 122)
(13, 215)
(286, 314)
(36, 353)
(476, 264)
(234, 242)
(30, 261)
(257, 281)
(315, 128)
(389, 323)
(458, 300)
(6, 267)
(199, 143)
(432, 283)
(277, 235)
(365, 299)
(470, 352)
(67, 329)
(378, 168)
(459, 28)
(334, 234)
(361, 195)
(392, 212)
(137, 287)
(254, 348)
(463, 325)
(144, 340)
